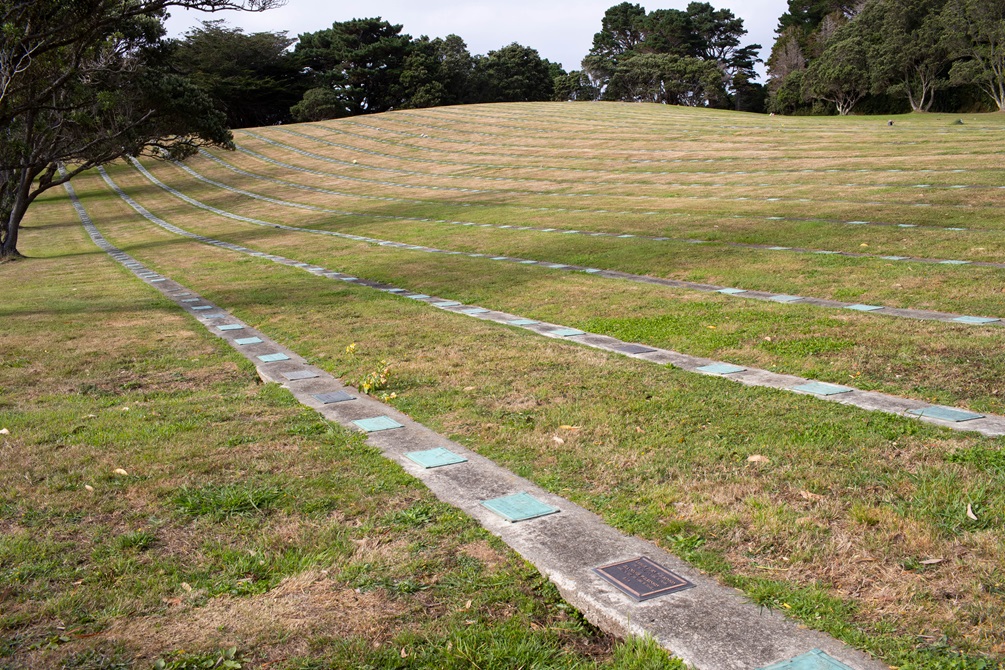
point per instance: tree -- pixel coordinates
(808, 15)
(906, 52)
(787, 93)
(318, 104)
(975, 33)
(420, 76)
(749, 96)
(83, 83)
(841, 74)
(437, 72)
(514, 73)
(361, 60)
(574, 85)
(786, 65)
(669, 31)
(667, 79)
(252, 78)
(455, 68)
(679, 37)
(621, 31)
(803, 33)
(717, 39)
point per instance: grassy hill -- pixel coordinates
(857, 523)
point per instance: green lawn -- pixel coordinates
(159, 502)
(856, 523)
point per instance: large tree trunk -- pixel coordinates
(8, 233)
(8, 240)
(10, 224)
(14, 201)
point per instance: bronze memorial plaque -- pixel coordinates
(643, 579)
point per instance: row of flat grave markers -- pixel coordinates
(559, 209)
(785, 299)
(824, 389)
(949, 414)
(639, 578)
(788, 299)
(554, 168)
(556, 194)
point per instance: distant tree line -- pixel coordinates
(362, 66)
(884, 56)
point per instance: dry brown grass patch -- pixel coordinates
(490, 557)
(280, 623)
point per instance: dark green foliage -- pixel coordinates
(420, 76)
(668, 79)
(684, 57)
(803, 33)
(361, 60)
(749, 96)
(841, 74)
(366, 66)
(807, 15)
(907, 54)
(252, 78)
(514, 73)
(974, 31)
(620, 33)
(437, 72)
(318, 104)
(575, 85)
(882, 50)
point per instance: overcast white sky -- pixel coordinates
(561, 30)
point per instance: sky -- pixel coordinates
(561, 30)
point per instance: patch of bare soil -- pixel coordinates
(483, 551)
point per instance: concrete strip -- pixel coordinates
(990, 425)
(709, 626)
(924, 315)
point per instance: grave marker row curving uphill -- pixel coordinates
(557, 549)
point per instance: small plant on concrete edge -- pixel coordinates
(376, 379)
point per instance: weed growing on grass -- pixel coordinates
(139, 540)
(224, 659)
(104, 657)
(225, 501)
(643, 653)
(981, 457)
